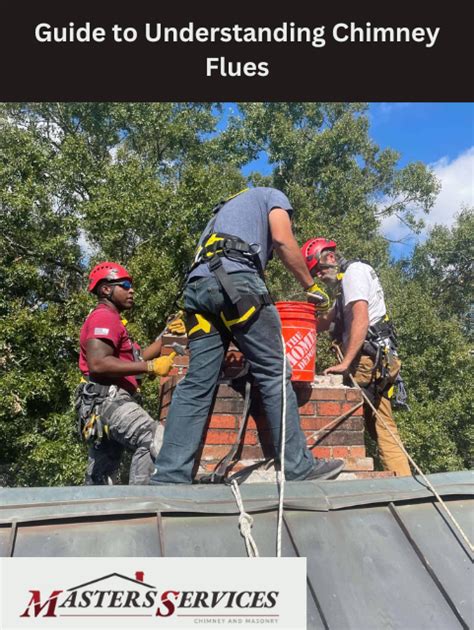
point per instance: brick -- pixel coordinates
(359, 463)
(328, 393)
(340, 451)
(166, 350)
(250, 438)
(165, 400)
(171, 338)
(308, 409)
(353, 423)
(208, 467)
(322, 451)
(358, 451)
(220, 436)
(223, 422)
(228, 405)
(251, 423)
(252, 452)
(353, 394)
(214, 453)
(226, 391)
(341, 438)
(315, 424)
(346, 407)
(329, 409)
(239, 465)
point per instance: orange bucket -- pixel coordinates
(298, 321)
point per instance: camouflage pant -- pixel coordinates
(132, 428)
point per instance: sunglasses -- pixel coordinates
(125, 284)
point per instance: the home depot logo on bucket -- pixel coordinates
(298, 321)
(301, 353)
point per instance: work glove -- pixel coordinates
(161, 366)
(176, 326)
(318, 296)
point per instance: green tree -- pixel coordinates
(340, 182)
(444, 264)
(133, 182)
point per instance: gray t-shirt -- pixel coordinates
(246, 216)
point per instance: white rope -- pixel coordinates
(245, 522)
(398, 441)
(282, 454)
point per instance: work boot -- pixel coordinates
(324, 469)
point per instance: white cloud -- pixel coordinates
(457, 190)
(457, 181)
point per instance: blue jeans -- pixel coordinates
(261, 344)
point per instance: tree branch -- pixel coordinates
(34, 255)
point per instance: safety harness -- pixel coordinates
(381, 345)
(213, 247)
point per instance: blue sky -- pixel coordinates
(439, 134)
(423, 131)
(442, 136)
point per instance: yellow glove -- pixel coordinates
(161, 366)
(319, 297)
(176, 326)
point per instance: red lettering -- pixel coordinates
(35, 601)
(169, 605)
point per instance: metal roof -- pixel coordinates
(380, 552)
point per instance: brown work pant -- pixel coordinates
(391, 455)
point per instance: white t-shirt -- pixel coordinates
(360, 282)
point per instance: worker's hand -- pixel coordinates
(340, 368)
(161, 366)
(176, 326)
(318, 296)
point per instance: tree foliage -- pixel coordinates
(134, 182)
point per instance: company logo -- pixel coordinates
(301, 349)
(118, 595)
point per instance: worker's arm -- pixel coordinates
(357, 335)
(101, 362)
(286, 247)
(153, 350)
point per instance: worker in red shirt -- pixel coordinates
(110, 415)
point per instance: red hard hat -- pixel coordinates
(107, 271)
(312, 249)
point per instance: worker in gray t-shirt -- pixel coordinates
(225, 299)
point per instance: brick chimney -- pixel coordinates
(319, 403)
(139, 576)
